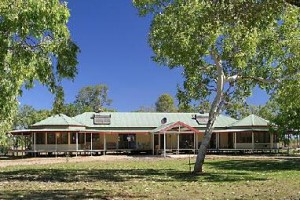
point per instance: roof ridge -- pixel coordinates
(262, 118)
(64, 118)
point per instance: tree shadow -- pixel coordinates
(119, 175)
(66, 194)
(258, 165)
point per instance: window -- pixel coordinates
(96, 137)
(101, 119)
(186, 141)
(40, 138)
(127, 141)
(62, 138)
(262, 137)
(81, 138)
(50, 138)
(244, 137)
(88, 137)
(73, 138)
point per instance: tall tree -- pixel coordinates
(71, 109)
(165, 103)
(225, 47)
(35, 44)
(92, 98)
(287, 99)
(27, 116)
(59, 100)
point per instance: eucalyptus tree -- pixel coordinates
(35, 45)
(27, 116)
(92, 98)
(226, 48)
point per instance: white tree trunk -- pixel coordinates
(213, 114)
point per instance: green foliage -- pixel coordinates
(27, 116)
(35, 44)
(58, 104)
(226, 48)
(88, 99)
(254, 40)
(287, 98)
(71, 109)
(165, 103)
(92, 98)
(195, 106)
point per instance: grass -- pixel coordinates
(154, 179)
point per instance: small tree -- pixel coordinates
(226, 48)
(165, 103)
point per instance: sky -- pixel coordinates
(114, 51)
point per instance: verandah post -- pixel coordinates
(104, 143)
(165, 155)
(91, 143)
(76, 143)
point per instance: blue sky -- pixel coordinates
(114, 51)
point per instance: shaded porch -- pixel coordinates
(244, 140)
(175, 137)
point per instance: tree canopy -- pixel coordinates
(27, 116)
(165, 103)
(92, 98)
(35, 44)
(287, 99)
(226, 48)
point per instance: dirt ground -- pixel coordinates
(10, 161)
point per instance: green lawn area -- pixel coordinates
(232, 178)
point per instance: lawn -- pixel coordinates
(144, 178)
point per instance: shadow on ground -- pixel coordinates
(257, 165)
(220, 171)
(65, 194)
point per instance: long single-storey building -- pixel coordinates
(142, 132)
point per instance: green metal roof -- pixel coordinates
(147, 120)
(58, 120)
(251, 121)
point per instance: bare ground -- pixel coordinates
(12, 161)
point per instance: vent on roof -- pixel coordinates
(163, 120)
(201, 119)
(101, 119)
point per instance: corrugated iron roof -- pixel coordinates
(251, 121)
(59, 120)
(140, 119)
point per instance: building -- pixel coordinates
(138, 132)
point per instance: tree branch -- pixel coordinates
(259, 79)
